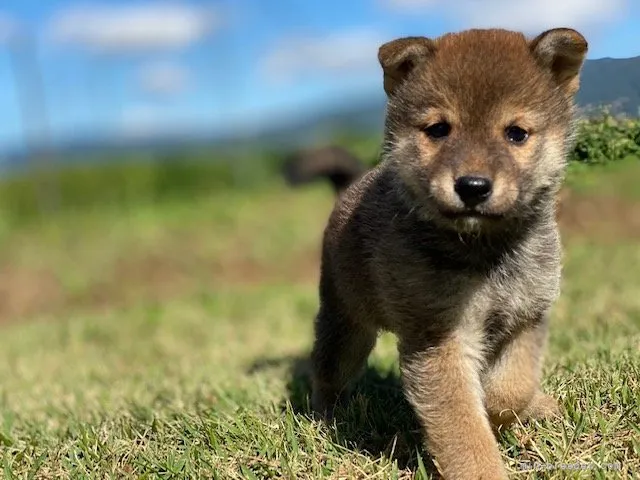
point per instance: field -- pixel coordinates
(169, 340)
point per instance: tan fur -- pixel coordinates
(467, 288)
(514, 380)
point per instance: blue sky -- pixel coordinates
(133, 67)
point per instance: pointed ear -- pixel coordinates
(561, 51)
(399, 57)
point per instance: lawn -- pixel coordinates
(170, 341)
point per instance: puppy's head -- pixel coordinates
(479, 123)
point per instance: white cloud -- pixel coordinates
(356, 50)
(143, 120)
(140, 26)
(344, 52)
(410, 4)
(163, 78)
(522, 15)
(8, 28)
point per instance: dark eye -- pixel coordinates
(516, 134)
(438, 130)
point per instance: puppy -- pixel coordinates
(451, 242)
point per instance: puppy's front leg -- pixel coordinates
(512, 383)
(442, 384)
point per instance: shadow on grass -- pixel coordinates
(377, 420)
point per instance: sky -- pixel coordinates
(127, 68)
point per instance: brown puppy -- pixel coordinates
(451, 241)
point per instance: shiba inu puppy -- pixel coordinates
(451, 242)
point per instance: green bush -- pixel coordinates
(605, 139)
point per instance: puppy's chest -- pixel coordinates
(515, 300)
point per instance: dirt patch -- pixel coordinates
(600, 218)
(26, 293)
(154, 277)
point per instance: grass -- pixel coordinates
(199, 371)
(612, 179)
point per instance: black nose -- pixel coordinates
(473, 190)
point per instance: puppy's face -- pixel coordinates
(479, 123)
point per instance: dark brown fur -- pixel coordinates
(332, 163)
(467, 291)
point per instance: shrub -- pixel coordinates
(606, 139)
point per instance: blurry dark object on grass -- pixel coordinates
(332, 163)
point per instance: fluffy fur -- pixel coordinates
(466, 288)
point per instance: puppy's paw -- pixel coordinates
(542, 407)
(324, 404)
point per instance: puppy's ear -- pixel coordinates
(561, 51)
(399, 57)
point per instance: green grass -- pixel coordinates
(209, 381)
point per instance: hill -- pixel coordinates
(611, 81)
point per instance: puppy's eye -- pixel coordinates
(516, 134)
(438, 130)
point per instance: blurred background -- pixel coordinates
(150, 148)
(166, 173)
